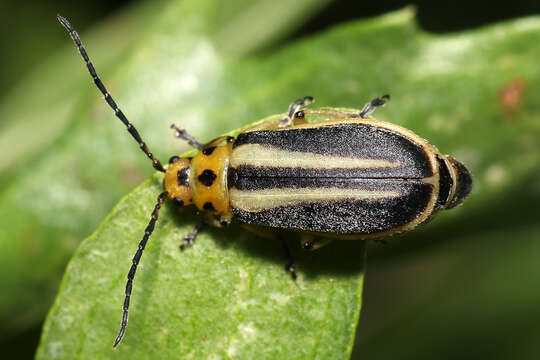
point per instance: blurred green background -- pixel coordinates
(464, 287)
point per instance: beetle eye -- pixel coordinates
(173, 159)
(299, 114)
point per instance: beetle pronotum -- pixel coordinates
(349, 177)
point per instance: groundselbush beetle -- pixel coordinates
(347, 176)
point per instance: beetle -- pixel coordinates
(347, 177)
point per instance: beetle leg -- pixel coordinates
(309, 242)
(181, 133)
(218, 141)
(370, 107)
(293, 109)
(290, 265)
(218, 221)
(294, 116)
(225, 220)
(189, 239)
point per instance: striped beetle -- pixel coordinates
(347, 177)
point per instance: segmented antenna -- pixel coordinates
(131, 274)
(119, 114)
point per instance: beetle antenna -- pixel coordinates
(119, 114)
(131, 274)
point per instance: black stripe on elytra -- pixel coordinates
(207, 177)
(344, 217)
(348, 140)
(253, 184)
(247, 171)
(232, 177)
(445, 183)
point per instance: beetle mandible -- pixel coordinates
(349, 177)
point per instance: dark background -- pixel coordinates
(29, 33)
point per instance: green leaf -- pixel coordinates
(226, 297)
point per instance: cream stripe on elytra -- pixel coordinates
(258, 200)
(268, 156)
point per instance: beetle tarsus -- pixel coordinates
(189, 239)
(370, 107)
(181, 133)
(294, 108)
(290, 265)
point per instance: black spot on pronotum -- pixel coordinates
(208, 206)
(178, 202)
(207, 177)
(173, 159)
(183, 177)
(209, 150)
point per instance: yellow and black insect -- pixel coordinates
(348, 177)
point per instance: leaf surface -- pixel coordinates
(226, 297)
